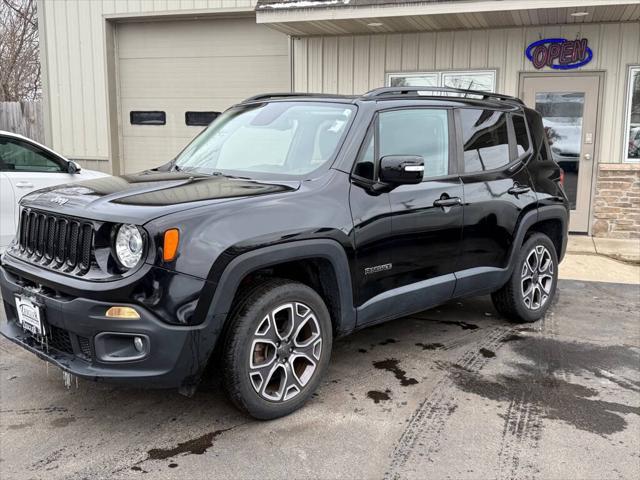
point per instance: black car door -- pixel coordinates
(371, 213)
(497, 191)
(426, 218)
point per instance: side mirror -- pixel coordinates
(73, 167)
(401, 169)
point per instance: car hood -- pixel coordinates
(144, 196)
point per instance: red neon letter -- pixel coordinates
(539, 56)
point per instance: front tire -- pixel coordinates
(527, 295)
(277, 348)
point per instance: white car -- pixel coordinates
(26, 166)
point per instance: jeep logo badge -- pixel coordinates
(59, 200)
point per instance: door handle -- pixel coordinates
(447, 202)
(587, 156)
(24, 185)
(518, 190)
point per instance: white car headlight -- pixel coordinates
(129, 245)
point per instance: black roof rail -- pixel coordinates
(388, 91)
(266, 96)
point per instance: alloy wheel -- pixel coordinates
(537, 277)
(285, 351)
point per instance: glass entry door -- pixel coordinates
(568, 105)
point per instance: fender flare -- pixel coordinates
(547, 212)
(227, 284)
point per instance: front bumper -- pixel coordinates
(176, 354)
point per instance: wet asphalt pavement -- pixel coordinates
(455, 392)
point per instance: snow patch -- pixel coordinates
(304, 4)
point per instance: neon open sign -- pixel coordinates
(559, 53)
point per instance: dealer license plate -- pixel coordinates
(29, 315)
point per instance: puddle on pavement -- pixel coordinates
(430, 346)
(392, 365)
(377, 396)
(195, 446)
(461, 324)
(540, 381)
(512, 337)
(486, 353)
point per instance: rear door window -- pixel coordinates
(522, 137)
(485, 139)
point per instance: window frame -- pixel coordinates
(62, 163)
(632, 70)
(132, 113)
(188, 113)
(514, 159)
(374, 129)
(439, 74)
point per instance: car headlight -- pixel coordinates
(129, 245)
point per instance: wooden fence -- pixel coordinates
(24, 118)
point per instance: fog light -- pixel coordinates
(138, 344)
(122, 312)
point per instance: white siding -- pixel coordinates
(361, 62)
(76, 88)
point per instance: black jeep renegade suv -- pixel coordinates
(291, 220)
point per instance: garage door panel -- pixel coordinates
(190, 65)
(202, 38)
(184, 77)
(143, 154)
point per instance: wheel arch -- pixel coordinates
(299, 261)
(551, 220)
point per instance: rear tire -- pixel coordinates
(277, 348)
(530, 290)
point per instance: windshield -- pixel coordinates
(291, 138)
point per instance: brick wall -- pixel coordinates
(617, 202)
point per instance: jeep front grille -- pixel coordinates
(58, 242)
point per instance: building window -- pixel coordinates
(632, 130)
(200, 119)
(147, 118)
(483, 80)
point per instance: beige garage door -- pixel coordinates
(166, 69)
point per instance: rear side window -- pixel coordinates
(522, 138)
(485, 139)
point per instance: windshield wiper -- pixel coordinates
(230, 176)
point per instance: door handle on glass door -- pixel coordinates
(447, 202)
(587, 156)
(24, 185)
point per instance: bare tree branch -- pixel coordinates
(20, 13)
(19, 51)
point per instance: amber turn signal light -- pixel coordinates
(170, 245)
(122, 312)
